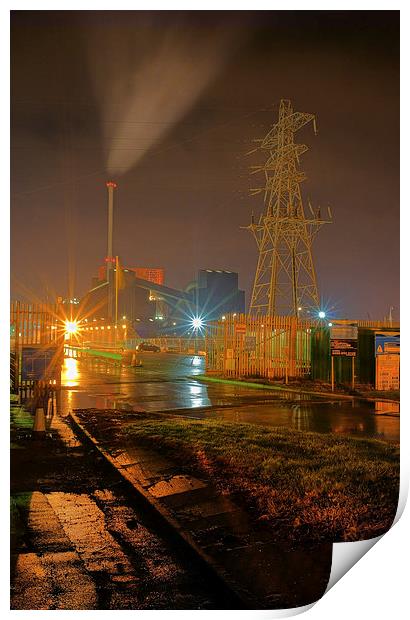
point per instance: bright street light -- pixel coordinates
(197, 323)
(322, 314)
(71, 327)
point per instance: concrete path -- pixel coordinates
(77, 542)
(242, 551)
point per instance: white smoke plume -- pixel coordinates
(148, 78)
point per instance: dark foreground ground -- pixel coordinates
(309, 487)
(78, 542)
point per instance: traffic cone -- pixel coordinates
(39, 428)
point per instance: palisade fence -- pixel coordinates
(264, 346)
(36, 345)
(282, 346)
(36, 324)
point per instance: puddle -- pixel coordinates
(382, 407)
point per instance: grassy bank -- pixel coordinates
(308, 485)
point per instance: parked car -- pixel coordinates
(147, 346)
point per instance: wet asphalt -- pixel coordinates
(166, 382)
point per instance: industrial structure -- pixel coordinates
(154, 309)
(138, 295)
(285, 279)
(110, 258)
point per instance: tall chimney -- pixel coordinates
(111, 186)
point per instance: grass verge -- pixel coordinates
(310, 486)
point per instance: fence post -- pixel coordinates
(332, 372)
(292, 346)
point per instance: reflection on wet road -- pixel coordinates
(166, 382)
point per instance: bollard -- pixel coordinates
(39, 428)
(50, 406)
(53, 403)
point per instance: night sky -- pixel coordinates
(167, 104)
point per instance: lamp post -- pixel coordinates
(197, 323)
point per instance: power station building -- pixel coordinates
(139, 296)
(218, 293)
(152, 309)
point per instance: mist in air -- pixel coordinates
(147, 78)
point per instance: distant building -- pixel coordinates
(218, 293)
(213, 294)
(139, 305)
(148, 273)
(152, 274)
(152, 310)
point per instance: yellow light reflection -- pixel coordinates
(70, 374)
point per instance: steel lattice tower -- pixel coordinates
(285, 278)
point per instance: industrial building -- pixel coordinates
(139, 296)
(153, 309)
(218, 293)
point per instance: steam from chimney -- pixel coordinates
(150, 77)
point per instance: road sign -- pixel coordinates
(387, 343)
(343, 339)
(343, 331)
(346, 348)
(40, 363)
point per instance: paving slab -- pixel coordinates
(240, 550)
(77, 542)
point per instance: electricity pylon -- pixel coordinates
(285, 279)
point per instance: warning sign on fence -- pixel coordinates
(250, 343)
(387, 342)
(38, 363)
(240, 328)
(388, 372)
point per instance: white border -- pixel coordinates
(377, 586)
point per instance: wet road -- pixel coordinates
(166, 382)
